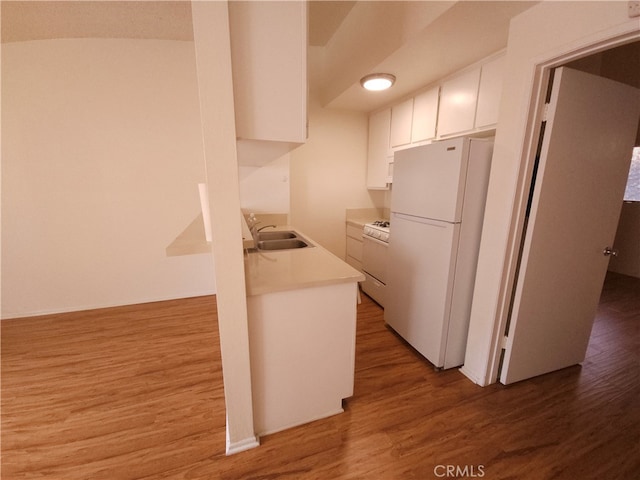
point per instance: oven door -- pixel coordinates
(374, 258)
(374, 265)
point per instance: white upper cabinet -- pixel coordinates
(379, 152)
(489, 92)
(401, 119)
(425, 115)
(269, 63)
(466, 103)
(458, 99)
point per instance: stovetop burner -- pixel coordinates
(382, 223)
(378, 229)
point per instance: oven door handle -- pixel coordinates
(367, 237)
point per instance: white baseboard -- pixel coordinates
(321, 416)
(471, 375)
(242, 445)
(81, 308)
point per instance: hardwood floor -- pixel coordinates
(136, 392)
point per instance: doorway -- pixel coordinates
(542, 322)
(622, 64)
(627, 241)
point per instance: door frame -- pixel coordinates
(542, 67)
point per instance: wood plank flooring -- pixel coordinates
(136, 393)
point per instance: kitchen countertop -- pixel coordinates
(360, 222)
(358, 217)
(277, 271)
(192, 239)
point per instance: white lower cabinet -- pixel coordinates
(302, 353)
(354, 246)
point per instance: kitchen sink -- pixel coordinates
(282, 244)
(281, 235)
(280, 240)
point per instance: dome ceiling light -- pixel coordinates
(377, 81)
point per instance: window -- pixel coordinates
(632, 193)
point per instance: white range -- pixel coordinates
(375, 240)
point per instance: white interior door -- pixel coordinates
(584, 163)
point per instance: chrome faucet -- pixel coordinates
(255, 231)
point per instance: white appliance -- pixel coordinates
(375, 239)
(437, 209)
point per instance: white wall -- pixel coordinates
(101, 156)
(542, 34)
(317, 182)
(328, 176)
(265, 189)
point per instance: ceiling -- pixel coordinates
(418, 41)
(40, 20)
(325, 18)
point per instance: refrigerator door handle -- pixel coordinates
(426, 221)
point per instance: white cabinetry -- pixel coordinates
(401, 118)
(414, 120)
(269, 62)
(489, 92)
(411, 121)
(302, 354)
(425, 115)
(467, 103)
(379, 153)
(458, 99)
(354, 246)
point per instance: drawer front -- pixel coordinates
(354, 248)
(355, 232)
(374, 289)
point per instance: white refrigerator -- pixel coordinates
(437, 208)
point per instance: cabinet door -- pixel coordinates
(425, 115)
(269, 58)
(390, 169)
(458, 99)
(401, 117)
(377, 163)
(354, 246)
(489, 92)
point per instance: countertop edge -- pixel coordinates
(289, 288)
(346, 273)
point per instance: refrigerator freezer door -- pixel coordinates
(429, 181)
(422, 255)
